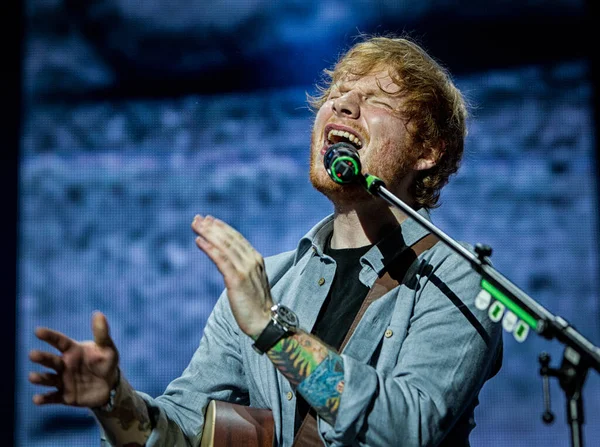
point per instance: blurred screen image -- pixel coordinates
(130, 130)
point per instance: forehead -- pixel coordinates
(373, 82)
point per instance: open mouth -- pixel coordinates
(340, 134)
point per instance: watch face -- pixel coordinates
(287, 316)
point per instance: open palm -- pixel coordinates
(83, 373)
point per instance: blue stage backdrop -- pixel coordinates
(110, 183)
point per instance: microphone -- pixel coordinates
(342, 163)
(343, 166)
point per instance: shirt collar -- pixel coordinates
(374, 262)
(315, 238)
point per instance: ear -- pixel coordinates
(430, 157)
(424, 163)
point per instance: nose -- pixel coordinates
(347, 105)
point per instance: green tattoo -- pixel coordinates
(315, 369)
(297, 356)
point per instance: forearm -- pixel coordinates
(315, 369)
(129, 422)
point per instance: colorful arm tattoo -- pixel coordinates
(312, 367)
(323, 388)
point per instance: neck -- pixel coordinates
(364, 223)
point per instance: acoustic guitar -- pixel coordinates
(232, 425)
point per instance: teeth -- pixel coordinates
(352, 138)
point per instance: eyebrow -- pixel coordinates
(342, 86)
(378, 92)
(370, 92)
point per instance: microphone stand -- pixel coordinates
(579, 354)
(342, 163)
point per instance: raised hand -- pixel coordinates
(83, 373)
(243, 272)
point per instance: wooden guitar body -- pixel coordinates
(232, 425)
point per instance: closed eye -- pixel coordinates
(383, 104)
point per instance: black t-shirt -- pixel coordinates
(343, 302)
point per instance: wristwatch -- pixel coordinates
(283, 323)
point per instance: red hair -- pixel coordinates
(434, 108)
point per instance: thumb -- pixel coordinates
(101, 331)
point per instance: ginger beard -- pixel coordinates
(383, 159)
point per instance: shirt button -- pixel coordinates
(389, 333)
(321, 281)
(289, 395)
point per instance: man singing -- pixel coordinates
(368, 326)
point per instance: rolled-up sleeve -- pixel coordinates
(214, 372)
(448, 353)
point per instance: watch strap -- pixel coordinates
(269, 337)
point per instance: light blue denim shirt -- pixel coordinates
(412, 369)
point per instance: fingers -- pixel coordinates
(101, 330)
(47, 359)
(54, 397)
(232, 254)
(222, 262)
(223, 238)
(58, 340)
(45, 379)
(221, 234)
